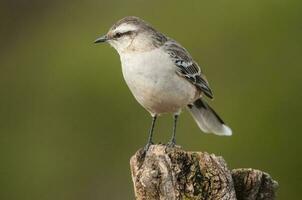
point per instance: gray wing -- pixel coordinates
(187, 67)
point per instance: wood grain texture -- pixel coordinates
(165, 173)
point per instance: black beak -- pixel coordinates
(101, 39)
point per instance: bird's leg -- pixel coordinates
(150, 133)
(173, 141)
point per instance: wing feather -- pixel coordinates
(187, 67)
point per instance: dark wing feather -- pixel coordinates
(187, 67)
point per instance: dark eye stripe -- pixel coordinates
(118, 34)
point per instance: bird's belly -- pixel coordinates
(156, 86)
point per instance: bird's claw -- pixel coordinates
(146, 148)
(171, 144)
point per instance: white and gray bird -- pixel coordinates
(162, 75)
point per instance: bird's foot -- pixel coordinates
(171, 144)
(146, 148)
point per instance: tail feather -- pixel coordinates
(207, 119)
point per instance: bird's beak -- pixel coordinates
(101, 39)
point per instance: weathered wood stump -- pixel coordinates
(165, 173)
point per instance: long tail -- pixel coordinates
(207, 119)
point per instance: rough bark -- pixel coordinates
(165, 173)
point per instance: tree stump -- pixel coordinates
(166, 173)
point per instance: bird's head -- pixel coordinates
(132, 34)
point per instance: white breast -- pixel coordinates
(151, 77)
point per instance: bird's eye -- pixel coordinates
(117, 35)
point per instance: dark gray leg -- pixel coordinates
(173, 140)
(151, 133)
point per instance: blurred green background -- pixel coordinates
(68, 123)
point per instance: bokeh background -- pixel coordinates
(68, 123)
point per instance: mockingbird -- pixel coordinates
(162, 75)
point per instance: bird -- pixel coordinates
(162, 76)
